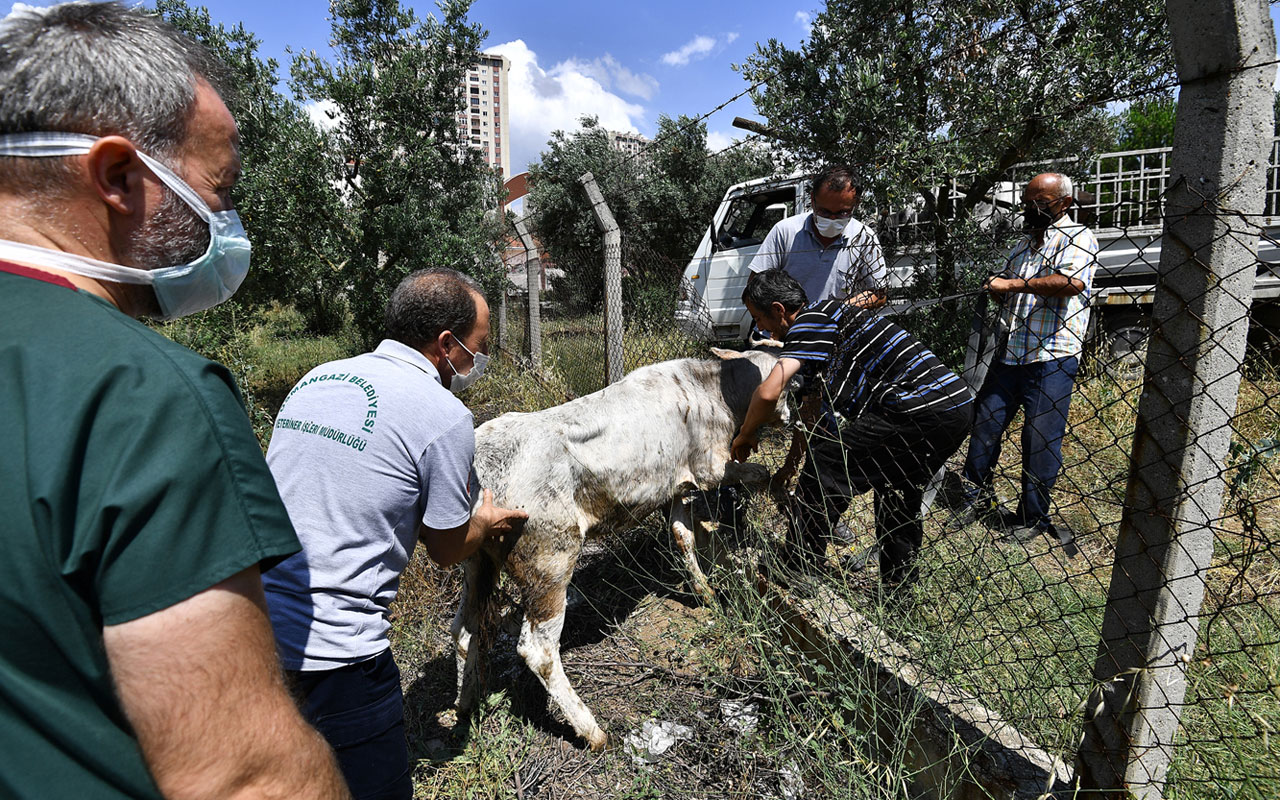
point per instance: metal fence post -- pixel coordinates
(1200, 318)
(502, 310)
(533, 319)
(612, 278)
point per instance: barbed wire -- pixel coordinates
(1002, 32)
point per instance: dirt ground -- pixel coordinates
(638, 648)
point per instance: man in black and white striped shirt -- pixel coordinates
(900, 414)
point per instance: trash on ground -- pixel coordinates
(740, 715)
(655, 738)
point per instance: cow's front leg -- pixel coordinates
(478, 578)
(540, 648)
(682, 529)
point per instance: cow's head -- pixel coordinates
(741, 372)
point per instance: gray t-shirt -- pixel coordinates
(851, 264)
(363, 449)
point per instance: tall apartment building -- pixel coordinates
(629, 143)
(483, 124)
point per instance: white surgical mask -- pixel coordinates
(830, 228)
(180, 289)
(459, 381)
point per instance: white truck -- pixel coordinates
(1119, 201)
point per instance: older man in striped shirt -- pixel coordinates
(1045, 292)
(899, 413)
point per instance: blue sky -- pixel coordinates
(623, 62)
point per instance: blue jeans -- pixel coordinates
(1043, 391)
(359, 710)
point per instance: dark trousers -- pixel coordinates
(896, 459)
(1043, 391)
(359, 710)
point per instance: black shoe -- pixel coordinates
(1023, 534)
(981, 510)
(857, 561)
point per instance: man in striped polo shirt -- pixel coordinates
(899, 413)
(1045, 292)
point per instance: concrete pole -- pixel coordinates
(612, 279)
(1200, 318)
(533, 319)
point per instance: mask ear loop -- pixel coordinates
(56, 144)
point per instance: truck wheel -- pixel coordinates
(1124, 342)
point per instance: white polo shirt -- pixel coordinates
(363, 450)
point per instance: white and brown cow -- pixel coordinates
(590, 466)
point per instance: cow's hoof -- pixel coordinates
(598, 740)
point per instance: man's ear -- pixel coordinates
(117, 174)
(725, 355)
(778, 309)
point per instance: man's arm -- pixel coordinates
(810, 410)
(772, 252)
(202, 688)
(870, 299)
(872, 274)
(450, 546)
(1055, 285)
(763, 401)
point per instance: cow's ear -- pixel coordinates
(721, 353)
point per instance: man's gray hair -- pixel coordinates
(1065, 187)
(101, 69)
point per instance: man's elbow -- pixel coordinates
(445, 547)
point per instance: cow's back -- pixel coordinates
(613, 454)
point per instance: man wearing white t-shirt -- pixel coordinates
(372, 454)
(832, 255)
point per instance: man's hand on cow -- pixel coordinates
(497, 521)
(743, 445)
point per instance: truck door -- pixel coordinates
(742, 222)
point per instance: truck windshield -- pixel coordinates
(750, 217)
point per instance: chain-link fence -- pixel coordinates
(1003, 612)
(1021, 535)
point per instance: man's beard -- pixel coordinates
(172, 236)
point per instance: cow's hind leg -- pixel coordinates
(479, 576)
(682, 530)
(540, 648)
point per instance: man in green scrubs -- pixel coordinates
(136, 656)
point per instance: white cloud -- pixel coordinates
(16, 7)
(805, 20)
(697, 47)
(718, 140)
(612, 74)
(544, 100)
(323, 114)
(731, 38)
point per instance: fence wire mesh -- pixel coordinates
(994, 624)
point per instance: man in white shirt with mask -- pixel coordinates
(372, 454)
(831, 254)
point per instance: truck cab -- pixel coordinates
(710, 306)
